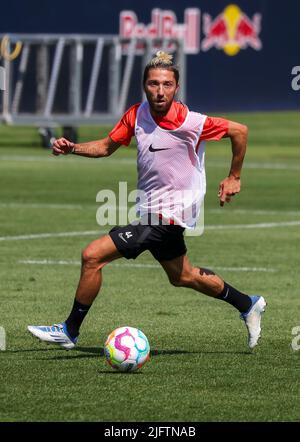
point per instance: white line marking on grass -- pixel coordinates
(63, 159)
(246, 269)
(95, 206)
(97, 232)
(272, 166)
(253, 212)
(252, 226)
(43, 206)
(51, 235)
(132, 161)
(26, 158)
(49, 262)
(36, 158)
(60, 206)
(258, 166)
(135, 265)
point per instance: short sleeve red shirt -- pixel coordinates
(213, 130)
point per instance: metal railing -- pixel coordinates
(79, 70)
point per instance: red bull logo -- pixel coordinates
(232, 30)
(163, 25)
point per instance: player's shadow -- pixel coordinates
(33, 350)
(95, 352)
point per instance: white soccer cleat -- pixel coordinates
(53, 334)
(252, 319)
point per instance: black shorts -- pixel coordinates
(165, 242)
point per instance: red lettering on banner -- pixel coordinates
(128, 21)
(163, 25)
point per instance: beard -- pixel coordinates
(160, 108)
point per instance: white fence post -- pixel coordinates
(2, 339)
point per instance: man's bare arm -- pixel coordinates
(238, 133)
(239, 136)
(92, 149)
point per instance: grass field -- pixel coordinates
(200, 369)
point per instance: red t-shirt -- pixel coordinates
(213, 130)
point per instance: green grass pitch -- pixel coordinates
(200, 368)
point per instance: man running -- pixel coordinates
(170, 161)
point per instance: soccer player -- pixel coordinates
(170, 160)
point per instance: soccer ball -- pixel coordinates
(127, 349)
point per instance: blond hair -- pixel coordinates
(161, 60)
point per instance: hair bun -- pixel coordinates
(162, 57)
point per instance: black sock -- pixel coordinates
(239, 300)
(77, 315)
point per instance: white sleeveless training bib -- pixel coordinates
(171, 173)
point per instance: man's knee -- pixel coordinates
(88, 257)
(91, 257)
(99, 253)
